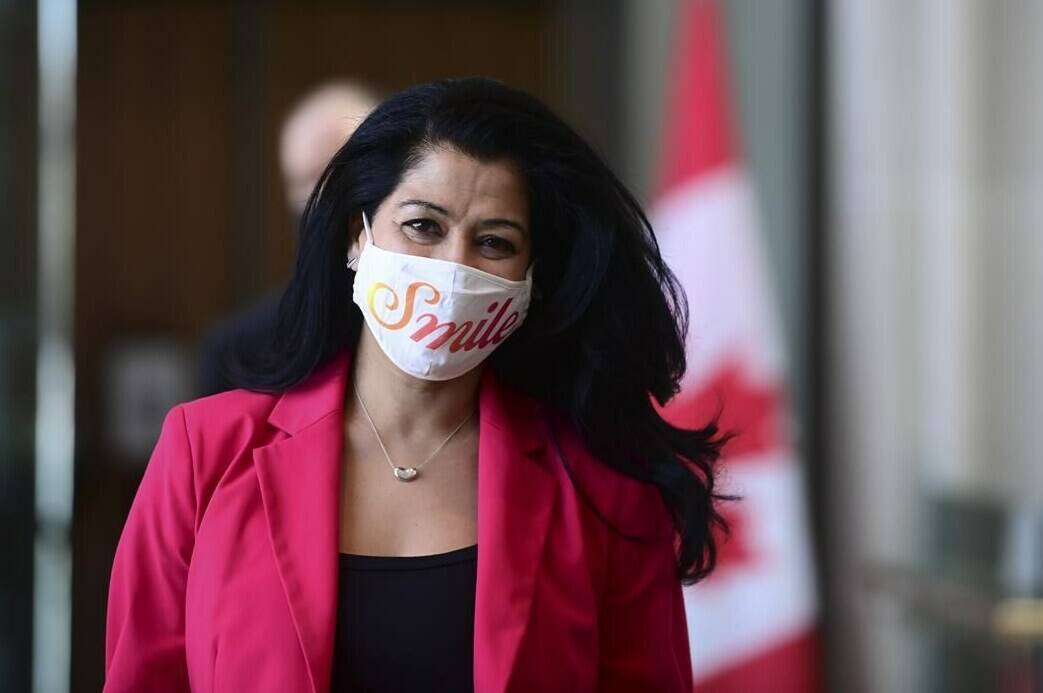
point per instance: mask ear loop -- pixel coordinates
(353, 261)
(369, 232)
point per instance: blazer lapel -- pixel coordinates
(517, 493)
(299, 476)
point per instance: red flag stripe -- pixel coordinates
(699, 123)
(789, 667)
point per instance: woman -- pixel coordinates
(446, 470)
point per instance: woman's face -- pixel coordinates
(453, 207)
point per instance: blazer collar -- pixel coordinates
(300, 477)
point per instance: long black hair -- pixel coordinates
(605, 331)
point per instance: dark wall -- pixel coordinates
(18, 337)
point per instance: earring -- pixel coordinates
(353, 263)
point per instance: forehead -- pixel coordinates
(464, 184)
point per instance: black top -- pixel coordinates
(406, 623)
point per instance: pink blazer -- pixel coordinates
(225, 576)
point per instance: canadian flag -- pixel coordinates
(753, 622)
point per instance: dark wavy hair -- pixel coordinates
(605, 331)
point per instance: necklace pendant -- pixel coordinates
(405, 473)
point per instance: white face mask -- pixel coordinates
(435, 319)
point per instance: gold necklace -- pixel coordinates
(404, 473)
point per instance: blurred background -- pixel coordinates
(851, 193)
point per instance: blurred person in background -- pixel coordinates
(445, 471)
(316, 127)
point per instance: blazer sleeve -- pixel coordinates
(145, 618)
(643, 632)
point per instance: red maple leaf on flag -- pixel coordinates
(751, 412)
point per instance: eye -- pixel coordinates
(422, 227)
(498, 245)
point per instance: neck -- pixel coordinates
(406, 408)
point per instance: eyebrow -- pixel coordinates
(498, 221)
